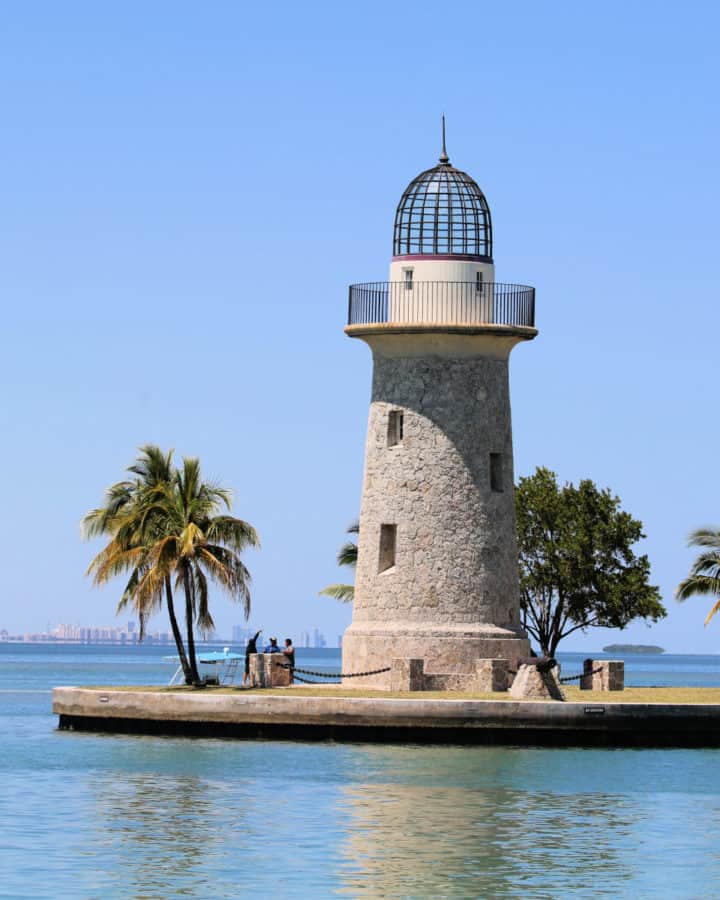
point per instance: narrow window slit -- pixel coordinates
(388, 539)
(496, 472)
(396, 424)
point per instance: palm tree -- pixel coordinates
(704, 577)
(200, 543)
(130, 517)
(168, 532)
(347, 556)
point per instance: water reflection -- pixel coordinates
(458, 841)
(155, 818)
(159, 831)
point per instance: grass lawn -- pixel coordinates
(572, 693)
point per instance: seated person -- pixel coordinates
(272, 647)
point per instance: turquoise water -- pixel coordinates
(88, 816)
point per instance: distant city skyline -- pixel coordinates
(99, 634)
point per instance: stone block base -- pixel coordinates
(266, 670)
(406, 675)
(449, 654)
(610, 677)
(532, 684)
(489, 675)
(448, 681)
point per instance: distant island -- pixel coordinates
(632, 648)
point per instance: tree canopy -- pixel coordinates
(704, 577)
(169, 530)
(577, 564)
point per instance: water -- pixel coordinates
(92, 816)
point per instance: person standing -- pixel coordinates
(289, 653)
(272, 647)
(249, 650)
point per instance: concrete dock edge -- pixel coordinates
(258, 715)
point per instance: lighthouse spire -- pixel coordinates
(444, 158)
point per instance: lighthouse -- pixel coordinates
(437, 569)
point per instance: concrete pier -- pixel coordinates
(278, 716)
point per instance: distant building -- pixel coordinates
(304, 639)
(241, 634)
(318, 638)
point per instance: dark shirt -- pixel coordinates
(252, 645)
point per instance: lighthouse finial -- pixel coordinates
(444, 158)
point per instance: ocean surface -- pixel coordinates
(93, 816)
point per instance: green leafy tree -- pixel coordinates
(347, 556)
(169, 531)
(704, 577)
(577, 565)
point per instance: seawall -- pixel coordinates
(273, 716)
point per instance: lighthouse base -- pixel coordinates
(445, 650)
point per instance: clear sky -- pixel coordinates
(188, 188)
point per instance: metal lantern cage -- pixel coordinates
(443, 212)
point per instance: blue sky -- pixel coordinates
(189, 188)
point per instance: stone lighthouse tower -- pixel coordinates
(437, 572)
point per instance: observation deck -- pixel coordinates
(457, 306)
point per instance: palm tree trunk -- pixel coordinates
(189, 607)
(177, 634)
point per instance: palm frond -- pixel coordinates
(233, 532)
(345, 593)
(705, 537)
(190, 536)
(695, 585)
(204, 619)
(347, 554)
(708, 563)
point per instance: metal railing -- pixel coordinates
(441, 303)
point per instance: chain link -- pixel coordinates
(307, 680)
(332, 674)
(581, 675)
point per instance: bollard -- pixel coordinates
(267, 670)
(603, 675)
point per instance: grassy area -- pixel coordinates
(572, 692)
(645, 695)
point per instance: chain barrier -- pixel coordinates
(297, 677)
(581, 675)
(307, 680)
(332, 674)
